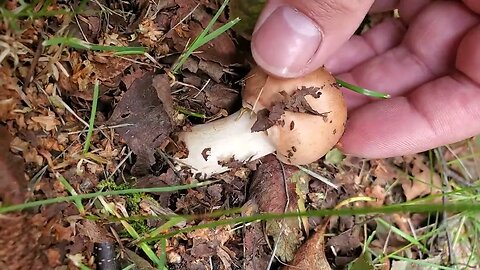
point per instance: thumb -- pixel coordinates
(295, 37)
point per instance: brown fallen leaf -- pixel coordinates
(106, 68)
(424, 182)
(219, 97)
(9, 97)
(311, 254)
(347, 246)
(211, 242)
(384, 171)
(90, 26)
(139, 262)
(166, 179)
(377, 192)
(151, 127)
(54, 257)
(93, 231)
(135, 73)
(47, 122)
(212, 69)
(269, 192)
(256, 247)
(162, 86)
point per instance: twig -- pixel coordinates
(79, 26)
(120, 164)
(170, 164)
(101, 128)
(439, 155)
(203, 88)
(31, 70)
(470, 177)
(73, 112)
(414, 234)
(318, 176)
(457, 177)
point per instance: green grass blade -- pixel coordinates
(422, 263)
(71, 190)
(204, 37)
(167, 225)
(93, 113)
(217, 14)
(163, 257)
(397, 208)
(190, 113)
(363, 91)
(18, 207)
(402, 234)
(222, 29)
(68, 41)
(83, 45)
(133, 233)
(130, 267)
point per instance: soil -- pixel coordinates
(46, 95)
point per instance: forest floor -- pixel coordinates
(88, 107)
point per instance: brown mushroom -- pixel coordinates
(298, 119)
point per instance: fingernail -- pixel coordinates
(286, 42)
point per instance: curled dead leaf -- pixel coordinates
(424, 182)
(47, 122)
(311, 254)
(279, 188)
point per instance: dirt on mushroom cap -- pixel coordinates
(312, 116)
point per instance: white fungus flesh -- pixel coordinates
(213, 145)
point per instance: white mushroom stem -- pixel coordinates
(212, 145)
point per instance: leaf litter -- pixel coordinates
(140, 107)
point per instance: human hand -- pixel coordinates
(428, 60)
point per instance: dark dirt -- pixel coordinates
(44, 91)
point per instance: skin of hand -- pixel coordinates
(428, 59)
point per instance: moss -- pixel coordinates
(133, 200)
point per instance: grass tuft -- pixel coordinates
(205, 37)
(93, 113)
(109, 207)
(32, 11)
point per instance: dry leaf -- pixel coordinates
(311, 255)
(424, 182)
(47, 122)
(269, 192)
(150, 123)
(256, 247)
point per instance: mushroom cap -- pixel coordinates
(300, 135)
